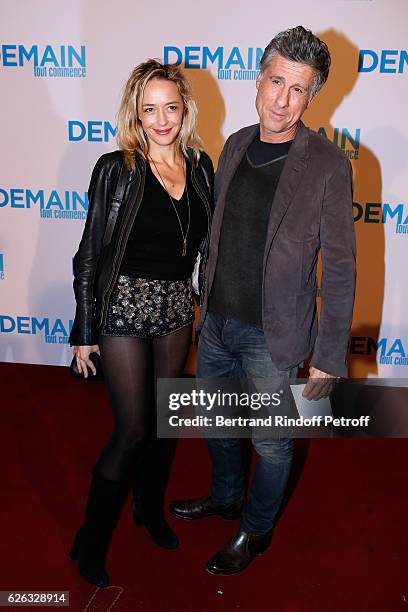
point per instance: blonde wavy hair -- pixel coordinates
(131, 137)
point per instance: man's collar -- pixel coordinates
(300, 141)
(299, 151)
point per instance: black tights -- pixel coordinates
(131, 365)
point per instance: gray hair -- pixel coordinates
(300, 45)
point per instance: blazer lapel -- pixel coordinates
(233, 163)
(292, 173)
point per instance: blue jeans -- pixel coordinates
(231, 349)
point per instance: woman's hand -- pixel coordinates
(82, 358)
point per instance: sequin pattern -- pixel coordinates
(149, 308)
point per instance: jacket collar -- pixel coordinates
(298, 151)
(290, 179)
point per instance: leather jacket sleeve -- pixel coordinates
(207, 168)
(86, 259)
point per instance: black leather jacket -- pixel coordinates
(96, 267)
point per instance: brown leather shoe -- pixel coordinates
(191, 509)
(238, 553)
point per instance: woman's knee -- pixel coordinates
(131, 440)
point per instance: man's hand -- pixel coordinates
(319, 385)
(82, 358)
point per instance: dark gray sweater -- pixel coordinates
(237, 288)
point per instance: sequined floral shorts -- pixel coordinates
(149, 308)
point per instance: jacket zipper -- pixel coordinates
(209, 215)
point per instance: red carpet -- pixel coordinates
(340, 545)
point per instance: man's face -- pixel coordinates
(283, 95)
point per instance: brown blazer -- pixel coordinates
(312, 210)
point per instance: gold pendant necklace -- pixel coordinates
(183, 235)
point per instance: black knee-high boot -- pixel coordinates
(105, 503)
(152, 475)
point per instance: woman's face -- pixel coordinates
(161, 112)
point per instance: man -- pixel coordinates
(282, 194)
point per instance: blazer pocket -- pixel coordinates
(305, 308)
(304, 236)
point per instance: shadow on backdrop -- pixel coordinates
(211, 110)
(367, 188)
(211, 115)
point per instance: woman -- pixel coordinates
(133, 291)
